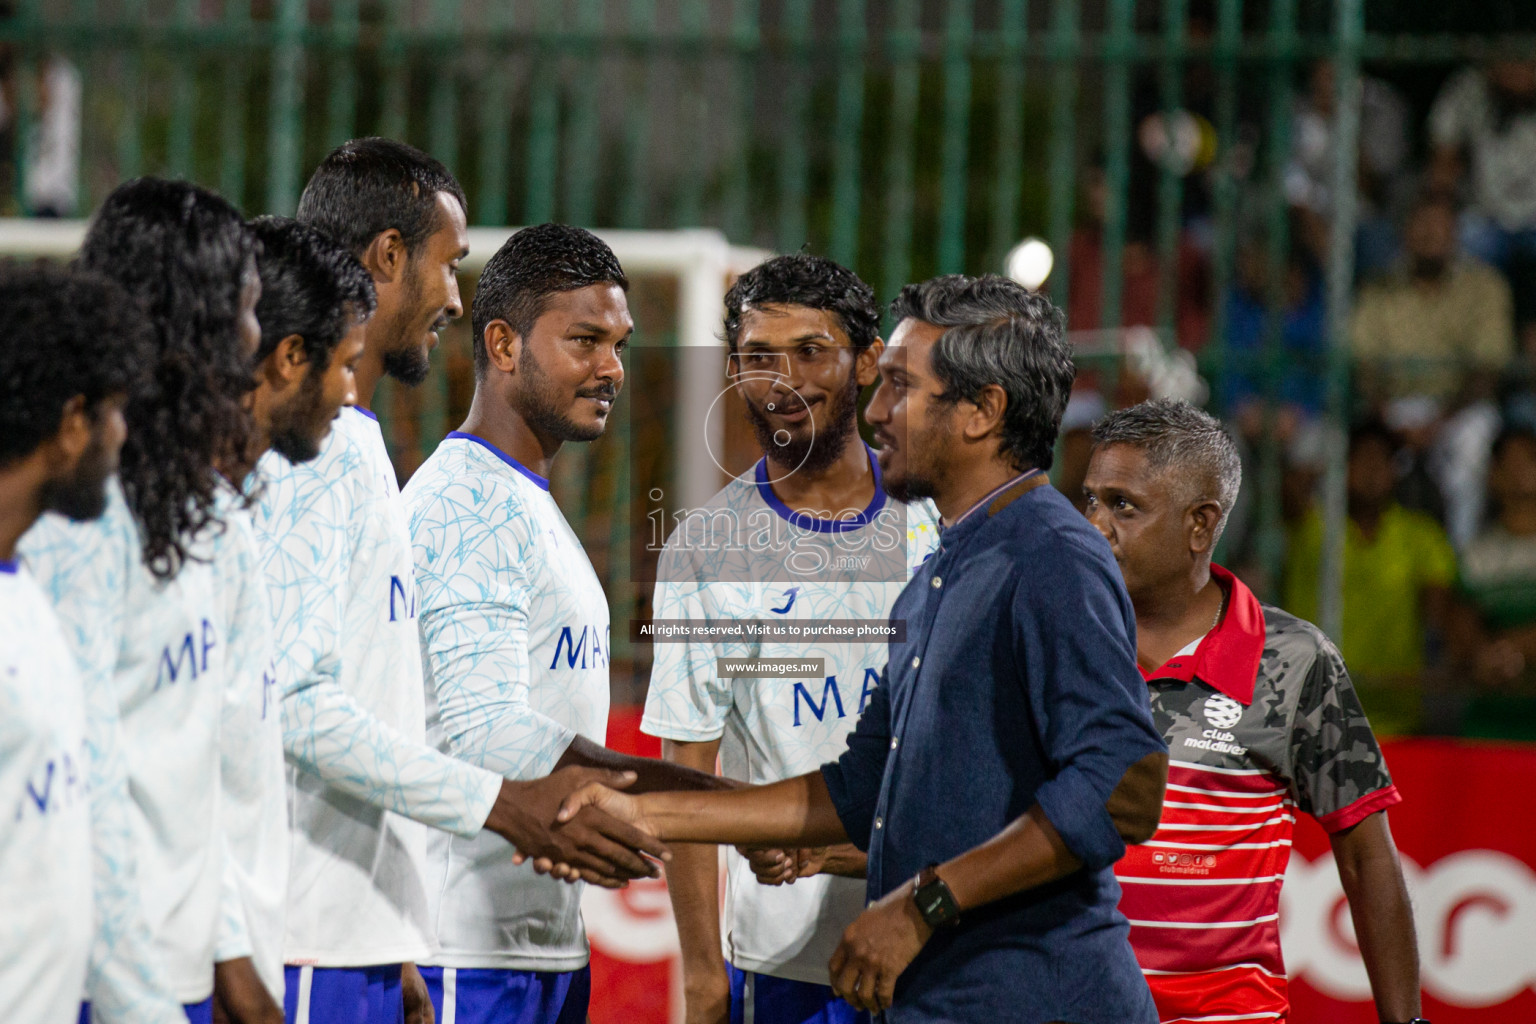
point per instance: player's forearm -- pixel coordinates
(1378, 901)
(795, 812)
(693, 884)
(329, 735)
(652, 776)
(1026, 854)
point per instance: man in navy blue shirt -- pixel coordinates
(1009, 754)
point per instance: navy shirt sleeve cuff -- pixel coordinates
(1078, 811)
(856, 812)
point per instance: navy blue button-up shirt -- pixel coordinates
(1016, 685)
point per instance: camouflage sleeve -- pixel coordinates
(1337, 768)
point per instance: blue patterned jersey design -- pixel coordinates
(515, 635)
(344, 603)
(153, 668)
(45, 817)
(252, 773)
(748, 557)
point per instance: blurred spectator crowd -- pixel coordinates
(1439, 616)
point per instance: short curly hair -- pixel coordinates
(52, 318)
(532, 265)
(311, 286)
(183, 253)
(815, 282)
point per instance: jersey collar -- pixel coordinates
(816, 523)
(1228, 658)
(539, 481)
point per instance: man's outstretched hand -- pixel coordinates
(600, 795)
(591, 843)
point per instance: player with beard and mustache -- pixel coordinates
(315, 299)
(363, 781)
(514, 621)
(61, 430)
(802, 332)
(141, 598)
(1007, 755)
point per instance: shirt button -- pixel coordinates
(916, 661)
(894, 741)
(879, 823)
(938, 581)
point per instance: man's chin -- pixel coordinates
(409, 366)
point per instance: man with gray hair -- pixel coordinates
(1007, 757)
(1260, 719)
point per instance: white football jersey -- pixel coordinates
(338, 561)
(254, 778)
(514, 628)
(45, 844)
(746, 556)
(166, 656)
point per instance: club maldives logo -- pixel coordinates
(1222, 711)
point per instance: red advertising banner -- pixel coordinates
(1468, 851)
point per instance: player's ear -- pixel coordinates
(991, 404)
(385, 257)
(287, 361)
(1203, 518)
(503, 346)
(867, 366)
(76, 427)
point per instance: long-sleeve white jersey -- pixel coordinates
(254, 778)
(45, 826)
(338, 562)
(745, 557)
(153, 654)
(514, 628)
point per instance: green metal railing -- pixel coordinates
(904, 138)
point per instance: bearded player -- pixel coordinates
(803, 339)
(61, 430)
(514, 621)
(362, 778)
(315, 298)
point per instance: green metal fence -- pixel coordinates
(904, 138)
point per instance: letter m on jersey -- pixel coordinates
(578, 645)
(828, 692)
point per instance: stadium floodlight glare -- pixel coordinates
(1030, 262)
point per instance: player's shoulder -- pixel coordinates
(334, 482)
(1046, 532)
(465, 482)
(57, 548)
(1292, 648)
(719, 520)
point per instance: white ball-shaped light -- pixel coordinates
(1030, 262)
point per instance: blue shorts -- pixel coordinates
(197, 1013)
(479, 995)
(764, 999)
(342, 995)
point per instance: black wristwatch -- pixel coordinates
(934, 901)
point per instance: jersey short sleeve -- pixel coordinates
(1337, 767)
(687, 701)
